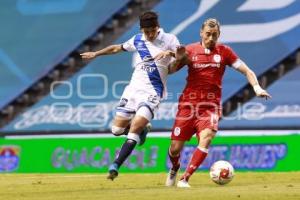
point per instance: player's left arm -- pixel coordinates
(181, 59)
(164, 54)
(252, 79)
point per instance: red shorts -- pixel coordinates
(188, 122)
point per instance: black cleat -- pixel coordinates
(112, 175)
(113, 171)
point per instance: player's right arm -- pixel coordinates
(252, 79)
(242, 67)
(112, 49)
(181, 59)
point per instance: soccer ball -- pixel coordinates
(221, 172)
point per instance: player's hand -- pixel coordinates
(162, 55)
(264, 94)
(261, 92)
(88, 55)
(180, 53)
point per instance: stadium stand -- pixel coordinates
(256, 48)
(39, 36)
(282, 112)
(51, 29)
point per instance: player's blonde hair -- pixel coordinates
(211, 22)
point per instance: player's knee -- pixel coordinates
(117, 130)
(174, 152)
(211, 135)
(174, 149)
(136, 126)
(143, 116)
(208, 134)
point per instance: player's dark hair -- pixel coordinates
(211, 22)
(149, 19)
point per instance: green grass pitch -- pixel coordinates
(130, 186)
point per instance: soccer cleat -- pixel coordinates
(171, 178)
(113, 171)
(183, 184)
(144, 133)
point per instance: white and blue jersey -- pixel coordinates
(148, 81)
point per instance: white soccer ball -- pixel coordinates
(221, 172)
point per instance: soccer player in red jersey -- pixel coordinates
(199, 106)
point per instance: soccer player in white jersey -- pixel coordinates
(147, 87)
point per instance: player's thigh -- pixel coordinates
(138, 123)
(206, 137)
(125, 110)
(207, 124)
(207, 134)
(183, 128)
(120, 121)
(147, 104)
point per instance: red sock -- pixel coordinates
(175, 161)
(198, 157)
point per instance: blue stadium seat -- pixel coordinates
(35, 36)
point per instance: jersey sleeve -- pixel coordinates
(232, 58)
(189, 51)
(174, 43)
(129, 45)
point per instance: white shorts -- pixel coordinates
(132, 99)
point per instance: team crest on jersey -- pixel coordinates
(140, 44)
(217, 58)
